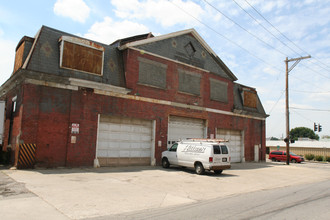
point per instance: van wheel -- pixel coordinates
(199, 168)
(165, 163)
(217, 171)
(293, 161)
(273, 159)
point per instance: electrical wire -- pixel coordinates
(249, 32)
(226, 38)
(302, 116)
(311, 109)
(259, 23)
(276, 102)
(283, 34)
(300, 91)
(255, 36)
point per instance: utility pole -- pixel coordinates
(287, 70)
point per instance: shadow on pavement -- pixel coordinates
(65, 170)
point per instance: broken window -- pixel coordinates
(81, 55)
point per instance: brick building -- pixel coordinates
(82, 102)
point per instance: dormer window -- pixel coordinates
(81, 55)
(249, 98)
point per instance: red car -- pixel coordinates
(281, 156)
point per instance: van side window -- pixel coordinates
(174, 147)
(216, 149)
(224, 149)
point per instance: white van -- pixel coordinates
(201, 154)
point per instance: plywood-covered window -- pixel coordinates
(81, 55)
(250, 98)
(218, 90)
(189, 82)
(152, 73)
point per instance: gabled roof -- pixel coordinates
(192, 32)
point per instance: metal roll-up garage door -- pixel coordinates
(235, 143)
(180, 128)
(124, 141)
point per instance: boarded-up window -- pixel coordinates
(250, 99)
(189, 82)
(81, 55)
(19, 57)
(219, 90)
(152, 73)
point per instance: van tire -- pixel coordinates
(293, 161)
(199, 169)
(217, 171)
(165, 163)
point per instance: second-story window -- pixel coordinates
(189, 82)
(152, 73)
(249, 98)
(82, 55)
(218, 90)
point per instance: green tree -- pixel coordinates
(298, 132)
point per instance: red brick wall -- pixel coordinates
(47, 115)
(171, 93)
(49, 112)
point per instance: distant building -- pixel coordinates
(302, 147)
(78, 102)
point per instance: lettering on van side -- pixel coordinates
(194, 149)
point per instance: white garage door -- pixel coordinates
(235, 143)
(180, 128)
(124, 141)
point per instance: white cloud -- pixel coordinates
(77, 10)
(166, 13)
(108, 30)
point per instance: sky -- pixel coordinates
(252, 37)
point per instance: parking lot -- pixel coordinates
(90, 192)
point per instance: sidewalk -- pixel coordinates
(89, 192)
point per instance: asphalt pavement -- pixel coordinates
(83, 193)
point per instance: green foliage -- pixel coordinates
(327, 158)
(274, 139)
(309, 156)
(298, 132)
(319, 158)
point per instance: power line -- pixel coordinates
(255, 36)
(283, 34)
(300, 91)
(249, 32)
(302, 116)
(311, 109)
(259, 23)
(226, 38)
(276, 102)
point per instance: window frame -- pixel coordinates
(83, 43)
(216, 81)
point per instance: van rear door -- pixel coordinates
(220, 155)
